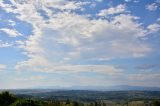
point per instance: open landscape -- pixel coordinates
(79, 52)
(49, 97)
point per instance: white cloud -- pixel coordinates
(55, 46)
(99, 0)
(30, 78)
(10, 32)
(128, 0)
(152, 7)
(5, 44)
(67, 38)
(153, 28)
(60, 82)
(136, 1)
(56, 4)
(113, 10)
(140, 79)
(2, 67)
(12, 23)
(67, 68)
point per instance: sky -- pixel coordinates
(66, 43)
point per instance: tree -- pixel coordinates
(26, 102)
(156, 103)
(75, 104)
(68, 102)
(6, 99)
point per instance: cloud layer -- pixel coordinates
(65, 41)
(61, 39)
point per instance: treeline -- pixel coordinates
(7, 99)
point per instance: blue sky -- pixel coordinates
(69, 43)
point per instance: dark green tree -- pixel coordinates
(26, 102)
(68, 102)
(6, 99)
(75, 104)
(156, 103)
(96, 104)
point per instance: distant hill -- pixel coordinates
(137, 88)
(88, 95)
(109, 88)
(92, 88)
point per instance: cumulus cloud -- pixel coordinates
(10, 32)
(66, 38)
(102, 40)
(152, 7)
(113, 10)
(153, 28)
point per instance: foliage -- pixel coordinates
(6, 99)
(75, 104)
(156, 103)
(26, 102)
(68, 102)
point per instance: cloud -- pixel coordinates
(113, 10)
(152, 7)
(47, 5)
(12, 23)
(146, 66)
(128, 0)
(61, 41)
(2, 67)
(147, 74)
(99, 0)
(10, 32)
(144, 73)
(158, 20)
(157, 1)
(30, 78)
(50, 68)
(101, 41)
(5, 44)
(140, 79)
(153, 28)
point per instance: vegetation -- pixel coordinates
(7, 99)
(26, 102)
(156, 103)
